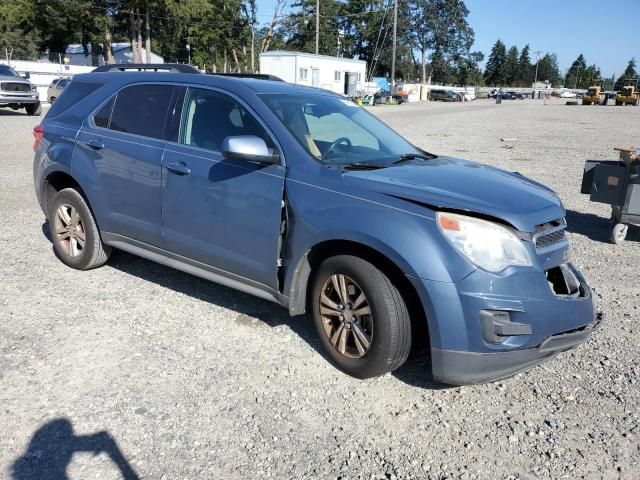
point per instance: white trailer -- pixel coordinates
(340, 75)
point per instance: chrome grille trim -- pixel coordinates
(551, 238)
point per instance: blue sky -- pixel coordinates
(568, 28)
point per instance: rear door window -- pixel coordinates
(141, 110)
(71, 95)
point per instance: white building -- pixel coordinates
(121, 53)
(340, 75)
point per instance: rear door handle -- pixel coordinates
(96, 144)
(179, 168)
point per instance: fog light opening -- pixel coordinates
(497, 326)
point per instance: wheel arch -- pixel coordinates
(302, 279)
(58, 180)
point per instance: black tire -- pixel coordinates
(389, 319)
(33, 109)
(93, 253)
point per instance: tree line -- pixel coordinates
(434, 37)
(513, 68)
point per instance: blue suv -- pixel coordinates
(299, 196)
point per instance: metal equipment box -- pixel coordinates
(616, 183)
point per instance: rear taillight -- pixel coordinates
(38, 133)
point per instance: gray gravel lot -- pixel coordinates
(192, 380)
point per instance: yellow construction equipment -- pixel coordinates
(629, 93)
(595, 95)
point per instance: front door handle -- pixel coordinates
(96, 144)
(179, 168)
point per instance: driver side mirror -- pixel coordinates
(26, 75)
(250, 148)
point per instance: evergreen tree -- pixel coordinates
(576, 73)
(511, 66)
(629, 74)
(494, 74)
(590, 77)
(525, 74)
(299, 27)
(548, 69)
(17, 34)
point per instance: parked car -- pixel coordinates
(17, 92)
(443, 96)
(514, 95)
(299, 196)
(56, 88)
(567, 94)
(469, 97)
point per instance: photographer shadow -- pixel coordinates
(52, 447)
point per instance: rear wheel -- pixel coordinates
(360, 316)
(75, 235)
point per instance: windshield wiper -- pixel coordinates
(405, 157)
(363, 166)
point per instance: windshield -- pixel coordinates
(8, 71)
(336, 131)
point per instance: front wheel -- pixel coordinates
(33, 109)
(360, 317)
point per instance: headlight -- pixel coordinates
(489, 245)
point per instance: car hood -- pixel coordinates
(455, 184)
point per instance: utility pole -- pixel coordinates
(537, 61)
(317, 25)
(393, 51)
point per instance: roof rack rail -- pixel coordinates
(259, 76)
(140, 67)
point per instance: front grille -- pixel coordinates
(547, 239)
(550, 233)
(15, 87)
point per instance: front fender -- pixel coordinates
(409, 239)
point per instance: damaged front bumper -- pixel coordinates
(488, 327)
(465, 368)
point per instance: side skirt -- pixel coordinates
(194, 267)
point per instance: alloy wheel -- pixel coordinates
(346, 316)
(69, 230)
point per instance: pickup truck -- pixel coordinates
(17, 92)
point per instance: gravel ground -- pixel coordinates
(138, 368)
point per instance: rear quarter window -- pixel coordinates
(74, 92)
